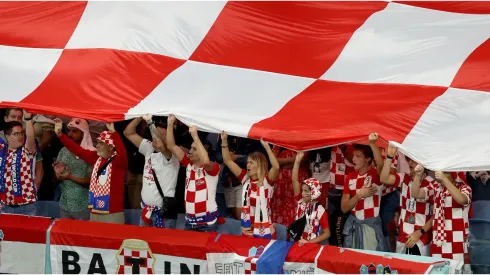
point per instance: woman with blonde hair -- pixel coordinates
(257, 191)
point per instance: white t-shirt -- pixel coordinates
(166, 171)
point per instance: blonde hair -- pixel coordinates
(262, 165)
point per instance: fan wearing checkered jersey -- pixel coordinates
(257, 192)
(451, 201)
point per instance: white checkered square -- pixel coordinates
(377, 52)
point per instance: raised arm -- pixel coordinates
(225, 151)
(176, 150)
(88, 156)
(203, 154)
(274, 170)
(130, 132)
(295, 173)
(415, 190)
(160, 142)
(30, 136)
(378, 158)
(386, 177)
(122, 156)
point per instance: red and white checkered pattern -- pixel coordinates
(127, 268)
(394, 161)
(250, 263)
(340, 167)
(451, 237)
(422, 209)
(101, 185)
(318, 218)
(368, 207)
(253, 197)
(106, 137)
(200, 189)
(372, 73)
(26, 178)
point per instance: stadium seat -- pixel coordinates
(230, 227)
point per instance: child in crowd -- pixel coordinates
(310, 215)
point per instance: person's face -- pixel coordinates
(193, 155)
(411, 165)
(104, 150)
(397, 216)
(306, 192)
(484, 177)
(360, 160)
(16, 138)
(252, 167)
(75, 134)
(14, 115)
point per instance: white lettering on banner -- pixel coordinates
(299, 268)
(85, 260)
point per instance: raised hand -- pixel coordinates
(27, 115)
(147, 117)
(193, 130)
(391, 150)
(110, 127)
(224, 138)
(171, 120)
(299, 156)
(373, 137)
(264, 143)
(58, 126)
(419, 169)
(440, 176)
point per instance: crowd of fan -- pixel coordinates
(350, 195)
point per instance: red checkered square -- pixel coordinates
(301, 52)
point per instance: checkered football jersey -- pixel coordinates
(368, 207)
(318, 218)
(249, 203)
(340, 167)
(200, 192)
(19, 165)
(415, 213)
(455, 222)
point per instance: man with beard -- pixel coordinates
(110, 165)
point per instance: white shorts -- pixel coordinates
(424, 249)
(233, 196)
